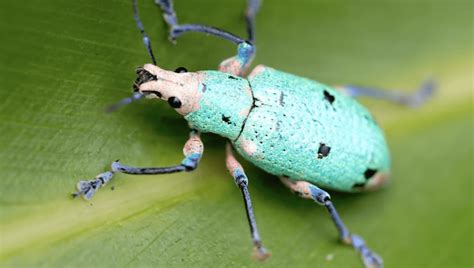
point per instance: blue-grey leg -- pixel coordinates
(310, 191)
(250, 12)
(241, 180)
(414, 99)
(192, 150)
(245, 52)
(176, 29)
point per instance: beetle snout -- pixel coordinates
(143, 76)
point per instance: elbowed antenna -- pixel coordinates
(146, 39)
(114, 107)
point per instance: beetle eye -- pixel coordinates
(174, 102)
(181, 70)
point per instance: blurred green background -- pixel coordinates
(62, 62)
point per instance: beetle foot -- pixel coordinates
(370, 258)
(87, 189)
(260, 253)
(426, 91)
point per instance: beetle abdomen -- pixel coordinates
(308, 131)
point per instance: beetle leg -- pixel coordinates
(425, 91)
(250, 12)
(310, 191)
(241, 181)
(192, 150)
(176, 29)
(236, 65)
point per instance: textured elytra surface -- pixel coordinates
(63, 62)
(308, 131)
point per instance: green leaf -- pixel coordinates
(63, 62)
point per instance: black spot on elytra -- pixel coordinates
(329, 97)
(358, 185)
(323, 150)
(232, 77)
(281, 100)
(204, 87)
(277, 127)
(370, 119)
(369, 173)
(226, 119)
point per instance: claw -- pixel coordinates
(260, 253)
(370, 258)
(87, 189)
(425, 91)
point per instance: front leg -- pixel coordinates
(236, 170)
(192, 150)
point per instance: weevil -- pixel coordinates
(310, 135)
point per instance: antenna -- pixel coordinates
(146, 39)
(136, 96)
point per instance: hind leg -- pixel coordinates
(236, 65)
(310, 191)
(424, 92)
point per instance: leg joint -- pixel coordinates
(241, 181)
(320, 196)
(240, 178)
(246, 50)
(191, 161)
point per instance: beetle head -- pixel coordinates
(211, 101)
(178, 88)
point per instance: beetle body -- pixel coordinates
(295, 127)
(309, 134)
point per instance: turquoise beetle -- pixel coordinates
(309, 134)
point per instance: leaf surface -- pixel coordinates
(63, 62)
